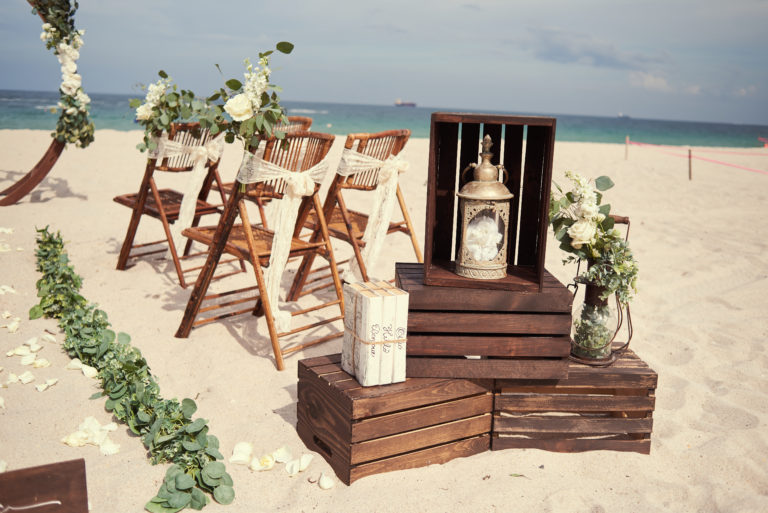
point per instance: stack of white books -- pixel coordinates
(375, 330)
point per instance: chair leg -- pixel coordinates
(133, 224)
(206, 273)
(352, 238)
(168, 235)
(411, 231)
(263, 296)
(331, 258)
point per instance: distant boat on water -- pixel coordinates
(401, 103)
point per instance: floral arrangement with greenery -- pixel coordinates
(586, 230)
(60, 35)
(163, 105)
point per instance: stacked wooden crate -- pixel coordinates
(487, 360)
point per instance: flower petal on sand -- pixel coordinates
(325, 482)
(292, 467)
(13, 327)
(27, 377)
(28, 359)
(6, 289)
(76, 439)
(6, 314)
(108, 447)
(282, 455)
(49, 338)
(74, 364)
(304, 461)
(40, 363)
(3, 466)
(21, 350)
(2, 403)
(266, 462)
(241, 454)
(90, 372)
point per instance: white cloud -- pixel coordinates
(649, 81)
(693, 89)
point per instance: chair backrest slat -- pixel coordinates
(379, 146)
(295, 124)
(188, 134)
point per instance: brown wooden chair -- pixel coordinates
(164, 204)
(294, 124)
(349, 225)
(254, 242)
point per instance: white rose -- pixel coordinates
(582, 232)
(588, 210)
(144, 112)
(71, 83)
(68, 67)
(239, 107)
(71, 111)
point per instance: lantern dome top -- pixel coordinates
(486, 185)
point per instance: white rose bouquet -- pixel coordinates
(252, 106)
(585, 229)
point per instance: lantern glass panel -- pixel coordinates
(485, 235)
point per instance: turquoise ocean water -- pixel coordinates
(31, 109)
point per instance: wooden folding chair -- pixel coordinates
(294, 124)
(255, 242)
(349, 225)
(164, 204)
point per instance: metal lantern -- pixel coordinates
(484, 207)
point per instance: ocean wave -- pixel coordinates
(306, 111)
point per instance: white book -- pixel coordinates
(387, 334)
(401, 333)
(348, 344)
(367, 351)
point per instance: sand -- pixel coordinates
(700, 321)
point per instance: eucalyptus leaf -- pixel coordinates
(603, 183)
(284, 47)
(214, 469)
(184, 482)
(224, 494)
(199, 499)
(162, 74)
(195, 426)
(191, 446)
(179, 500)
(188, 408)
(234, 84)
(35, 312)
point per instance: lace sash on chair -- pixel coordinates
(201, 155)
(353, 162)
(254, 169)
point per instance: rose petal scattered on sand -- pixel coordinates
(242, 453)
(40, 363)
(3, 466)
(6, 230)
(19, 249)
(27, 377)
(1, 369)
(13, 327)
(2, 403)
(74, 364)
(265, 462)
(6, 314)
(4, 248)
(28, 359)
(19, 351)
(282, 455)
(34, 347)
(6, 289)
(325, 482)
(304, 461)
(48, 384)
(293, 467)
(91, 432)
(12, 378)
(49, 338)
(90, 372)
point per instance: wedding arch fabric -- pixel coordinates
(298, 184)
(201, 155)
(352, 163)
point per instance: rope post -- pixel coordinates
(690, 166)
(626, 148)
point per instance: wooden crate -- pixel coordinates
(609, 408)
(517, 334)
(527, 153)
(364, 431)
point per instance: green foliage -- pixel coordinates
(165, 426)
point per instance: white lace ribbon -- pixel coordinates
(353, 162)
(201, 155)
(254, 169)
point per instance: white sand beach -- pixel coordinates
(700, 318)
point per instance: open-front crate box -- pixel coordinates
(525, 145)
(516, 334)
(595, 408)
(362, 431)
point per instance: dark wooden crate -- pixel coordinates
(608, 408)
(517, 334)
(527, 153)
(362, 431)
(63, 483)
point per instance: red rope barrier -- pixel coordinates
(705, 159)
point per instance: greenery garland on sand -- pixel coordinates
(60, 35)
(165, 426)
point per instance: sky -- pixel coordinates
(673, 59)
